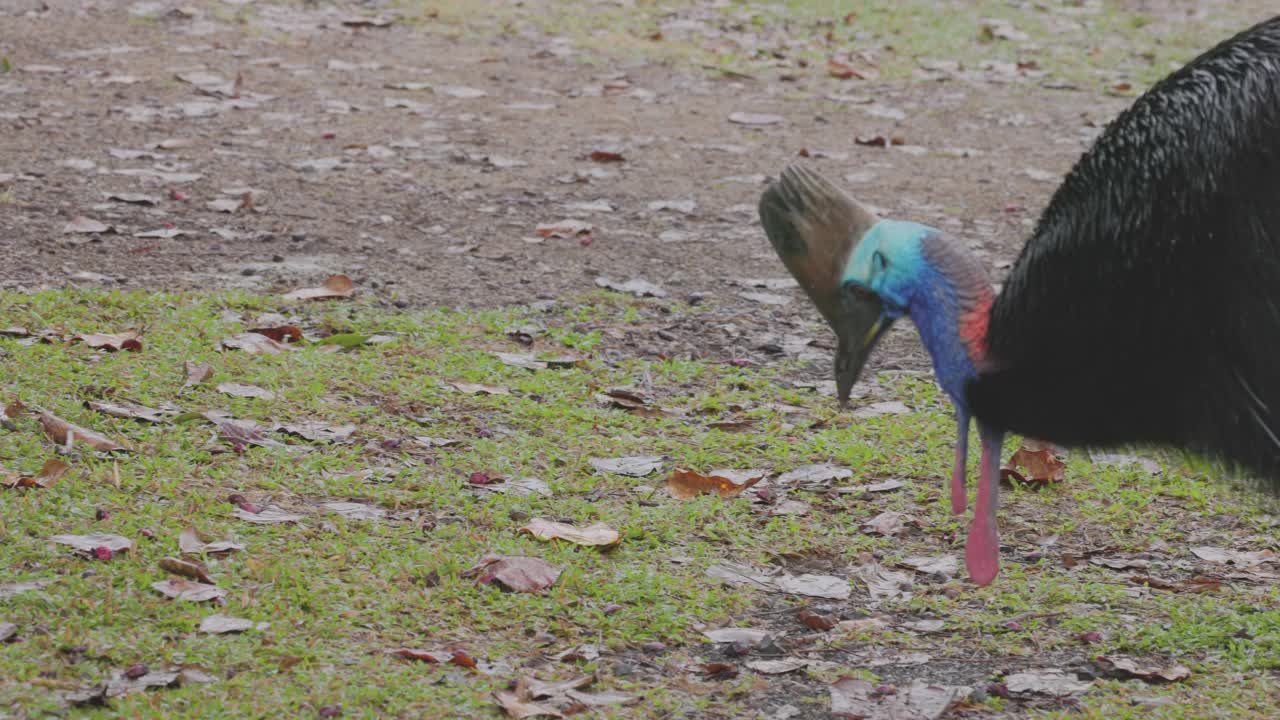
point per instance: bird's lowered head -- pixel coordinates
(863, 274)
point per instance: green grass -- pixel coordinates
(339, 592)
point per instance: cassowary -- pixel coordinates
(1145, 309)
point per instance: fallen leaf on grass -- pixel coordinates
(355, 511)
(194, 542)
(67, 435)
(130, 340)
(253, 343)
(857, 698)
(244, 433)
(222, 624)
(634, 466)
(453, 657)
(518, 708)
(601, 699)
(816, 621)
(196, 373)
(8, 590)
(521, 360)
(599, 534)
(685, 484)
(844, 71)
(188, 590)
(777, 667)
(892, 407)
(280, 333)
(735, 635)
(515, 572)
(132, 411)
(270, 515)
(1058, 683)
(480, 389)
(7, 631)
(52, 471)
(186, 568)
(884, 584)
(889, 523)
(935, 564)
(823, 586)
(245, 391)
(91, 543)
(1036, 462)
(813, 475)
(317, 431)
(1129, 667)
(523, 487)
(1235, 557)
(334, 286)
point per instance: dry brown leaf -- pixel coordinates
(131, 411)
(193, 542)
(52, 471)
(221, 624)
(186, 568)
(130, 340)
(188, 590)
(197, 373)
(452, 657)
(515, 572)
(599, 534)
(1036, 462)
(67, 435)
(8, 590)
(685, 484)
(1056, 682)
(857, 698)
(334, 286)
(317, 431)
(245, 391)
(254, 343)
(89, 543)
(244, 432)
(1129, 667)
(280, 333)
(479, 389)
(270, 515)
(521, 708)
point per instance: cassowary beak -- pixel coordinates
(859, 325)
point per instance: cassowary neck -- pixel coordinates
(951, 308)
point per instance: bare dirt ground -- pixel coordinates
(421, 157)
(434, 197)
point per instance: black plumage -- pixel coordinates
(1146, 307)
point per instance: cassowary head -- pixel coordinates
(863, 274)
(884, 272)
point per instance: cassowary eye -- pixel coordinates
(859, 292)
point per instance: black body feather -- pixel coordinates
(1146, 307)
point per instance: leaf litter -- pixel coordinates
(596, 535)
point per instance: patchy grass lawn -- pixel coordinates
(338, 592)
(1115, 47)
